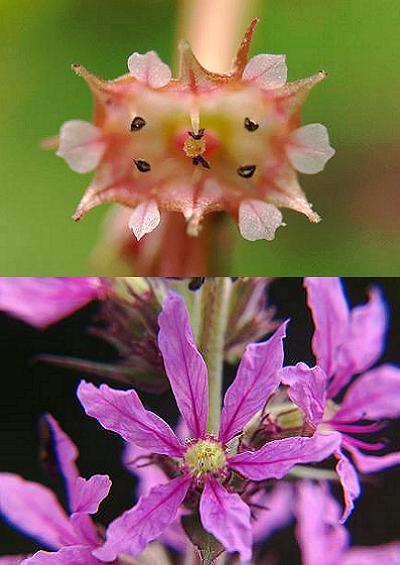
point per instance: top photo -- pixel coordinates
(179, 138)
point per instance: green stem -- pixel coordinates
(302, 472)
(215, 309)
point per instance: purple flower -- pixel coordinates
(323, 540)
(347, 342)
(203, 464)
(35, 510)
(42, 301)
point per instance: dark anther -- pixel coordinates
(199, 160)
(142, 166)
(198, 135)
(250, 125)
(246, 171)
(137, 123)
(196, 282)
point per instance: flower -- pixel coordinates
(41, 301)
(323, 540)
(35, 510)
(200, 143)
(347, 342)
(204, 464)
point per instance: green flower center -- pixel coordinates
(205, 456)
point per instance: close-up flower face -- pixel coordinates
(286, 449)
(201, 143)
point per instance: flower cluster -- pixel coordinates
(227, 488)
(200, 143)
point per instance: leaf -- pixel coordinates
(209, 548)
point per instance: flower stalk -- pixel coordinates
(215, 309)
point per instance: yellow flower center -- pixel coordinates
(205, 456)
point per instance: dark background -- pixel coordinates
(29, 389)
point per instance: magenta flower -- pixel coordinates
(323, 540)
(44, 301)
(204, 464)
(34, 509)
(346, 343)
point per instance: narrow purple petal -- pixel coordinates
(42, 301)
(185, 367)
(227, 518)
(365, 341)
(276, 513)
(350, 484)
(122, 412)
(89, 493)
(135, 528)
(373, 463)
(12, 559)
(321, 538)
(374, 395)
(277, 457)
(256, 379)
(307, 389)
(389, 554)
(150, 476)
(326, 299)
(72, 555)
(33, 509)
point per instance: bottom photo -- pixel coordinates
(200, 421)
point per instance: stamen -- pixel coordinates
(250, 125)
(246, 171)
(138, 123)
(142, 166)
(198, 135)
(199, 160)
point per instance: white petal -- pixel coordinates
(309, 148)
(145, 218)
(149, 68)
(258, 220)
(81, 145)
(266, 71)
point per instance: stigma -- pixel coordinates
(205, 457)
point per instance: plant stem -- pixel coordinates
(215, 309)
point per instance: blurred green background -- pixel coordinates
(358, 196)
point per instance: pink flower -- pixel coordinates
(323, 540)
(41, 301)
(347, 342)
(203, 463)
(200, 143)
(35, 510)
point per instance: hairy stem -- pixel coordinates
(215, 308)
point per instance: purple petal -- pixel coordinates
(72, 555)
(90, 493)
(149, 476)
(374, 395)
(276, 512)
(12, 559)
(321, 538)
(135, 528)
(373, 463)
(33, 509)
(122, 412)
(256, 379)
(185, 367)
(350, 484)
(389, 554)
(326, 299)
(307, 389)
(42, 301)
(365, 341)
(227, 518)
(277, 457)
